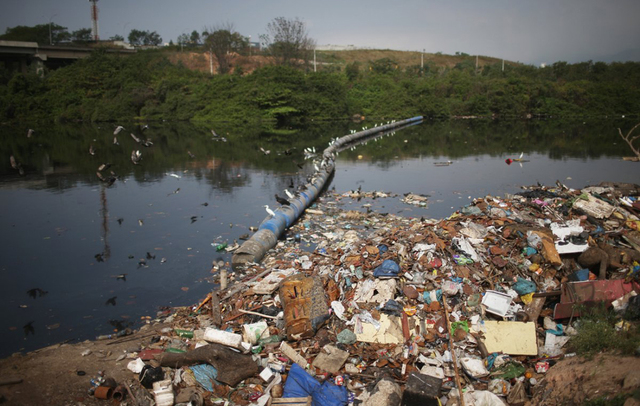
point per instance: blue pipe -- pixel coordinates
(272, 227)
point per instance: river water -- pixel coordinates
(69, 238)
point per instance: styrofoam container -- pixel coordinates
(496, 302)
(163, 392)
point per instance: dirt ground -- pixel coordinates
(61, 374)
(53, 375)
(573, 381)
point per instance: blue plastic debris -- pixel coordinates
(579, 275)
(205, 375)
(432, 296)
(528, 251)
(382, 248)
(558, 331)
(524, 287)
(388, 269)
(300, 384)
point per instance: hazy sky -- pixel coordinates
(530, 31)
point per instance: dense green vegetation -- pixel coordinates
(147, 86)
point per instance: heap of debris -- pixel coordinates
(376, 309)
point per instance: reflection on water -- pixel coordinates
(80, 257)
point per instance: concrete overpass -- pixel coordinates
(19, 55)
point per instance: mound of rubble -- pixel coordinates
(376, 309)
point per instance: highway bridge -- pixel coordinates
(22, 56)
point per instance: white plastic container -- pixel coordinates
(213, 335)
(163, 392)
(496, 302)
(254, 332)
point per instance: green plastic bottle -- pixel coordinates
(183, 333)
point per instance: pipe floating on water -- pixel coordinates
(272, 227)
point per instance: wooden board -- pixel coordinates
(511, 337)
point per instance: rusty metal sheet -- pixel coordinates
(590, 293)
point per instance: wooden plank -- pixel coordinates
(216, 318)
(511, 337)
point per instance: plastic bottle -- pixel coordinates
(183, 333)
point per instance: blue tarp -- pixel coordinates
(300, 384)
(388, 269)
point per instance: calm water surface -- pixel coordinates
(71, 236)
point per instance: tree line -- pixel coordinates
(107, 87)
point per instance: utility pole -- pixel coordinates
(249, 45)
(314, 59)
(94, 20)
(211, 62)
(50, 36)
(422, 60)
(503, 65)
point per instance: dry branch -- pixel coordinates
(629, 140)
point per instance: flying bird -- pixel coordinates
(136, 157)
(265, 151)
(30, 133)
(214, 133)
(149, 256)
(136, 139)
(92, 150)
(111, 301)
(36, 292)
(28, 328)
(122, 276)
(115, 140)
(118, 129)
(191, 155)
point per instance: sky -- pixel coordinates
(527, 31)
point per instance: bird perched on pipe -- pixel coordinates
(269, 211)
(282, 200)
(291, 195)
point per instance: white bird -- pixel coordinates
(136, 139)
(115, 140)
(30, 133)
(136, 157)
(118, 129)
(269, 211)
(265, 151)
(291, 195)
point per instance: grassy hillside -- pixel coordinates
(338, 60)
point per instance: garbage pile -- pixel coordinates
(375, 309)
